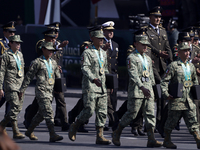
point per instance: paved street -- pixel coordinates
(86, 141)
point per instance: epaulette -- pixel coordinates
(144, 27)
(58, 40)
(85, 45)
(161, 26)
(149, 47)
(196, 46)
(1, 39)
(3, 49)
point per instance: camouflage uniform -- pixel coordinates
(12, 82)
(95, 98)
(180, 106)
(136, 98)
(43, 90)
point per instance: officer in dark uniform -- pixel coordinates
(160, 49)
(112, 49)
(8, 30)
(61, 112)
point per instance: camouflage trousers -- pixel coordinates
(15, 104)
(45, 111)
(94, 102)
(189, 117)
(133, 107)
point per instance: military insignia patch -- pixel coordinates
(176, 54)
(86, 47)
(166, 72)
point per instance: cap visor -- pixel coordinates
(100, 37)
(108, 28)
(13, 30)
(144, 42)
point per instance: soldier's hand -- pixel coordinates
(146, 92)
(164, 54)
(97, 82)
(60, 68)
(195, 60)
(20, 94)
(106, 46)
(170, 97)
(1, 94)
(63, 44)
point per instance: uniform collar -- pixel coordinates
(153, 26)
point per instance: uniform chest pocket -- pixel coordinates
(12, 64)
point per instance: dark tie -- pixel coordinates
(156, 30)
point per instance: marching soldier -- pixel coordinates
(61, 112)
(12, 75)
(181, 71)
(46, 70)
(161, 52)
(140, 92)
(94, 67)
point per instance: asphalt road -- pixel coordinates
(86, 141)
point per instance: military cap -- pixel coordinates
(10, 26)
(140, 31)
(196, 35)
(142, 39)
(55, 25)
(108, 25)
(50, 33)
(184, 36)
(183, 46)
(156, 11)
(97, 33)
(15, 38)
(93, 28)
(190, 30)
(48, 45)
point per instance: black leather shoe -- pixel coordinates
(82, 129)
(134, 131)
(140, 132)
(57, 123)
(65, 127)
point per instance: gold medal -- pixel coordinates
(102, 71)
(51, 81)
(20, 73)
(145, 73)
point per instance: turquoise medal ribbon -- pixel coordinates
(17, 59)
(186, 70)
(49, 70)
(99, 59)
(187, 73)
(144, 60)
(144, 64)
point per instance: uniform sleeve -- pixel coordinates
(169, 51)
(133, 72)
(106, 64)
(194, 76)
(166, 79)
(33, 69)
(86, 66)
(151, 74)
(4, 62)
(57, 72)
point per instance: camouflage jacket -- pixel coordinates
(135, 71)
(38, 68)
(91, 70)
(9, 71)
(174, 74)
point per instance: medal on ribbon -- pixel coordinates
(49, 70)
(187, 73)
(100, 60)
(18, 61)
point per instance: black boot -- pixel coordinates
(134, 132)
(140, 132)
